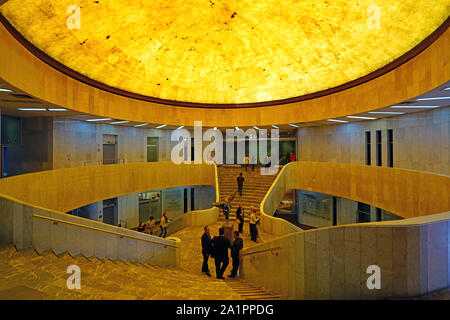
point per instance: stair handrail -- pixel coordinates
(216, 174)
(259, 251)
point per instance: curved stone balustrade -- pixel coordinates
(413, 254)
(407, 193)
(32, 210)
(71, 188)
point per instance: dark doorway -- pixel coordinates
(152, 149)
(185, 200)
(109, 149)
(363, 212)
(110, 211)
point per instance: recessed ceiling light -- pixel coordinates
(448, 88)
(94, 120)
(141, 125)
(31, 109)
(161, 126)
(5, 90)
(180, 127)
(119, 122)
(386, 112)
(57, 109)
(340, 121)
(274, 126)
(358, 117)
(413, 107)
(294, 125)
(256, 127)
(435, 98)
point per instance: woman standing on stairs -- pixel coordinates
(163, 225)
(254, 218)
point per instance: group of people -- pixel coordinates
(217, 248)
(149, 226)
(254, 219)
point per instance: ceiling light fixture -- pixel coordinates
(293, 125)
(435, 98)
(413, 107)
(141, 125)
(31, 109)
(119, 122)
(94, 120)
(335, 120)
(56, 109)
(274, 126)
(256, 127)
(358, 117)
(5, 90)
(237, 128)
(386, 112)
(215, 128)
(161, 126)
(180, 127)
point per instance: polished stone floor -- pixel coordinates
(192, 250)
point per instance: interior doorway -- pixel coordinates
(110, 212)
(152, 149)
(110, 154)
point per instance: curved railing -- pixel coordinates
(32, 210)
(407, 193)
(413, 254)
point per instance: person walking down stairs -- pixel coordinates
(240, 217)
(227, 206)
(240, 182)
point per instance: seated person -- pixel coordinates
(141, 227)
(150, 225)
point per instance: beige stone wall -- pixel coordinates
(331, 263)
(421, 141)
(79, 143)
(28, 226)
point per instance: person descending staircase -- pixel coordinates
(255, 188)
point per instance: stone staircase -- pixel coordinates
(28, 275)
(255, 187)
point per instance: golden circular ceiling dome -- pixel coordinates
(225, 52)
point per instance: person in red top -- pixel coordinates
(292, 157)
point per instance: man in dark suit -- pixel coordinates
(240, 217)
(219, 248)
(206, 250)
(238, 244)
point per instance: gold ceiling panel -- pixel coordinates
(226, 52)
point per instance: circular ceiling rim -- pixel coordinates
(101, 86)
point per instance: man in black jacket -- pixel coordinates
(240, 217)
(206, 250)
(240, 182)
(219, 249)
(238, 244)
